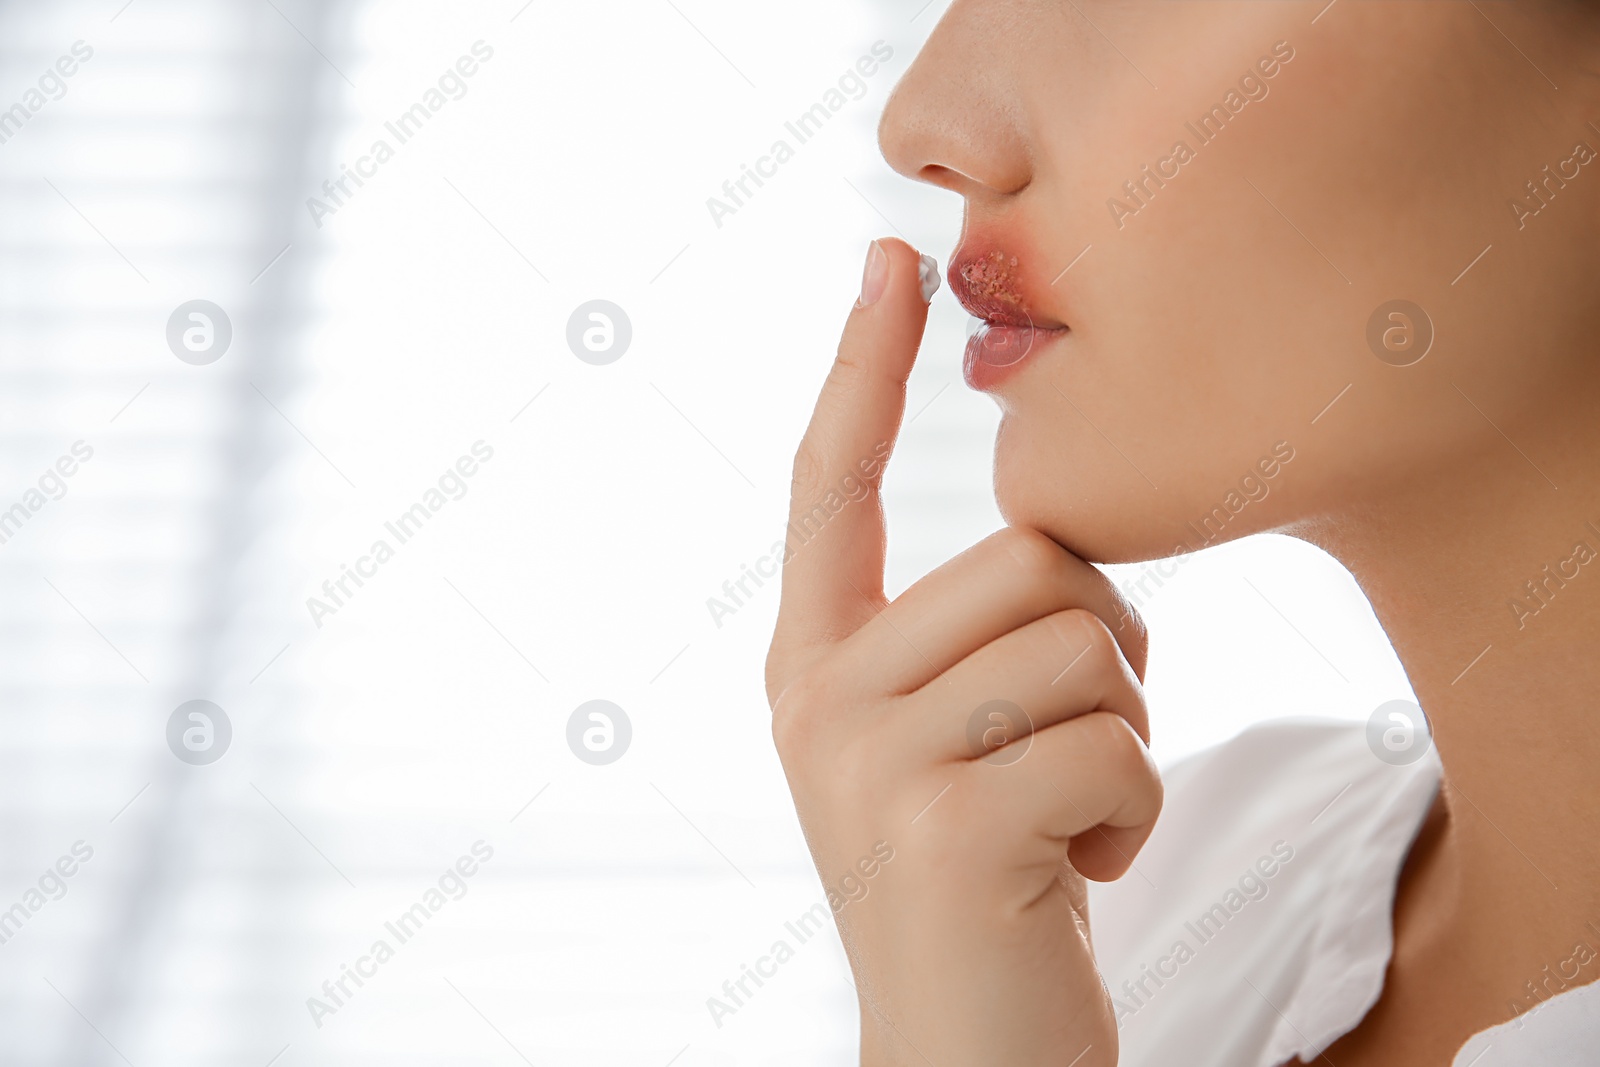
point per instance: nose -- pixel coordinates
(956, 119)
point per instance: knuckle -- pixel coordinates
(794, 714)
(790, 735)
(1126, 613)
(834, 751)
(793, 734)
(807, 474)
(1130, 628)
(857, 769)
(775, 671)
(803, 714)
(859, 364)
(851, 372)
(783, 739)
(1117, 745)
(848, 369)
(1081, 632)
(790, 665)
(1029, 551)
(1121, 750)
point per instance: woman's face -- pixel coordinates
(1217, 201)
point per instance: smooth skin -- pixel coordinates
(1225, 315)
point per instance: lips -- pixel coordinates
(991, 286)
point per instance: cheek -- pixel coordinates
(1230, 311)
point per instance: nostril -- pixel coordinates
(992, 179)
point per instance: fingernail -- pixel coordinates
(875, 276)
(928, 276)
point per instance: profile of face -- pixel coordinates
(1189, 226)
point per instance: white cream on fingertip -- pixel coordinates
(928, 276)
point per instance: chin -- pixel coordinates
(1082, 495)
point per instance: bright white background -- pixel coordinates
(369, 353)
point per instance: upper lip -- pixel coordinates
(993, 285)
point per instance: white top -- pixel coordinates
(1255, 926)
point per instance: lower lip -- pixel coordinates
(997, 352)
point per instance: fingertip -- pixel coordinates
(874, 275)
(907, 274)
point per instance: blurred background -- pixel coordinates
(367, 345)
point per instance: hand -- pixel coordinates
(972, 945)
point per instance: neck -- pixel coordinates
(1488, 585)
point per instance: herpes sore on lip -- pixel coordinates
(986, 286)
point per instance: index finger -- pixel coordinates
(835, 540)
